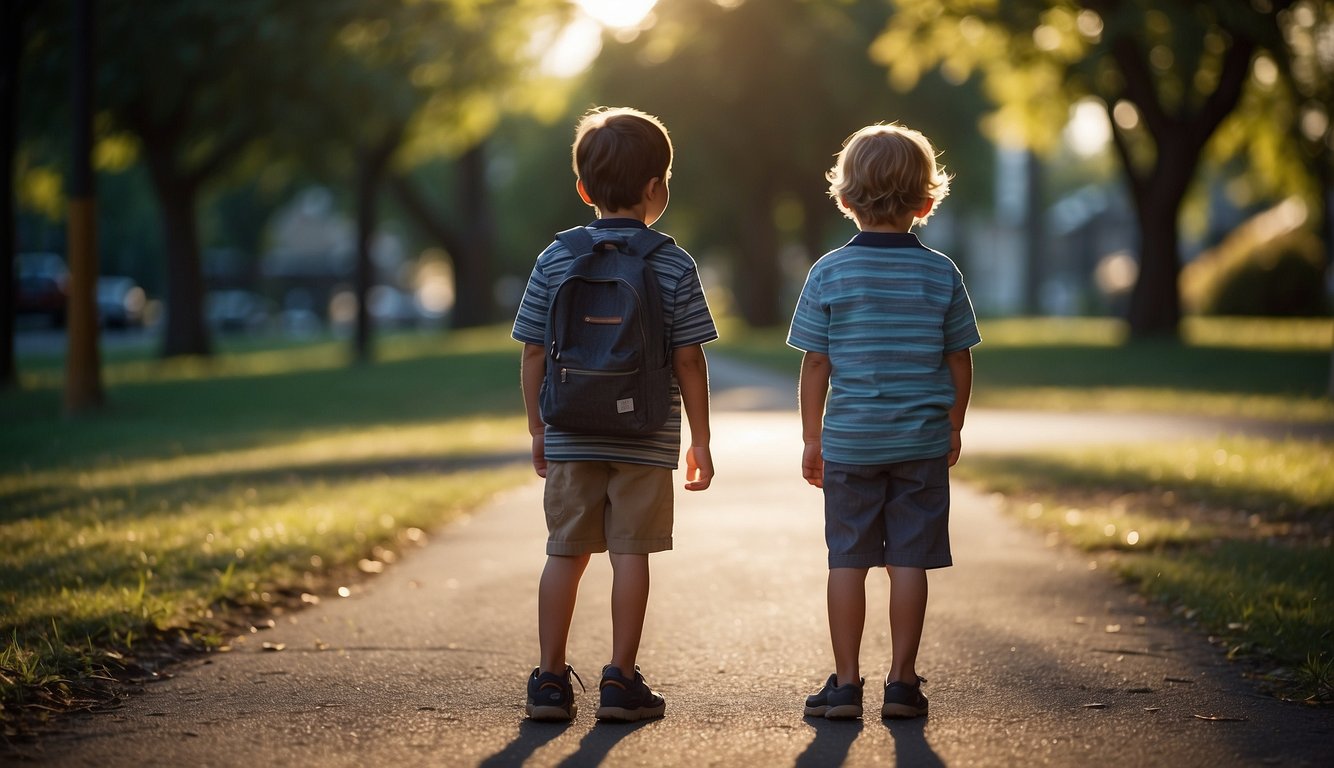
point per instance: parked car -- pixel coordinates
(43, 286)
(236, 311)
(120, 302)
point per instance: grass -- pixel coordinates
(210, 488)
(272, 474)
(1264, 369)
(1234, 533)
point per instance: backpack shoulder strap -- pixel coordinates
(577, 239)
(647, 241)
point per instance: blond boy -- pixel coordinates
(887, 327)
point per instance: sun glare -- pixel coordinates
(571, 49)
(617, 14)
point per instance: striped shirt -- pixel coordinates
(686, 320)
(886, 310)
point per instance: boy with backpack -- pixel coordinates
(613, 323)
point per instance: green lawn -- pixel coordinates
(1274, 369)
(262, 477)
(1235, 534)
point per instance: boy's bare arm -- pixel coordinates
(812, 388)
(532, 371)
(960, 364)
(692, 375)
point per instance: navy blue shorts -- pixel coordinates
(888, 514)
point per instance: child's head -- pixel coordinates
(885, 174)
(617, 152)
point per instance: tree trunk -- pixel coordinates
(372, 162)
(1327, 237)
(83, 360)
(12, 16)
(758, 276)
(815, 206)
(185, 332)
(474, 299)
(1035, 234)
(1155, 302)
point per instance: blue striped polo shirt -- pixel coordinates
(885, 309)
(686, 319)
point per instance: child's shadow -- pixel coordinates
(910, 745)
(532, 735)
(597, 743)
(593, 747)
(833, 740)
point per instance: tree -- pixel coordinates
(759, 96)
(1169, 75)
(83, 376)
(406, 81)
(14, 16)
(195, 83)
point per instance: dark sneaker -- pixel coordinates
(626, 700)
(836, 702)
(551, 696)
(904, 700)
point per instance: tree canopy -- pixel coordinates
(1170, 75)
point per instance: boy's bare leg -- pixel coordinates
(556, 593)
(629, 603)
(846, 595)
(907, 614)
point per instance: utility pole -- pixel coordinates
(83, 382)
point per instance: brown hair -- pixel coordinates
(617, 150)
(886, 172)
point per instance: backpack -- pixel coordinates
(607, 370)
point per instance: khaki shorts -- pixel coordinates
(600, 506)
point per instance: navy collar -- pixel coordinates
(618, 223)
(887, 240)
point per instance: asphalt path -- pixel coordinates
(1034, 654)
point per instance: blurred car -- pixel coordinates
(236, 311)
(120, 302)
(43, 286)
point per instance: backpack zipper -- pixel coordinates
(565, 372)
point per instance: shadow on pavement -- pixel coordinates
(531, 737)
(832, 742)
(910, 745)
(597, 743)
(593, 747)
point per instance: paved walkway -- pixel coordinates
(1034, 655)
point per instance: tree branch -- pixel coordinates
(416, 206)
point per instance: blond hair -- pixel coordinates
(886, 172)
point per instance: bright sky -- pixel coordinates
(617, 14)
(575, 47)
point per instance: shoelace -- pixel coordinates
(576, 676)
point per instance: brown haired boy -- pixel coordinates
(613, 493)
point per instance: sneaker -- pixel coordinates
(551, 696)
(904, 700)
(626, 700)
(836, 702)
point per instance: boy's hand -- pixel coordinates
(956, 445)
(812, 464)
(540, 454)
(699, 467)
